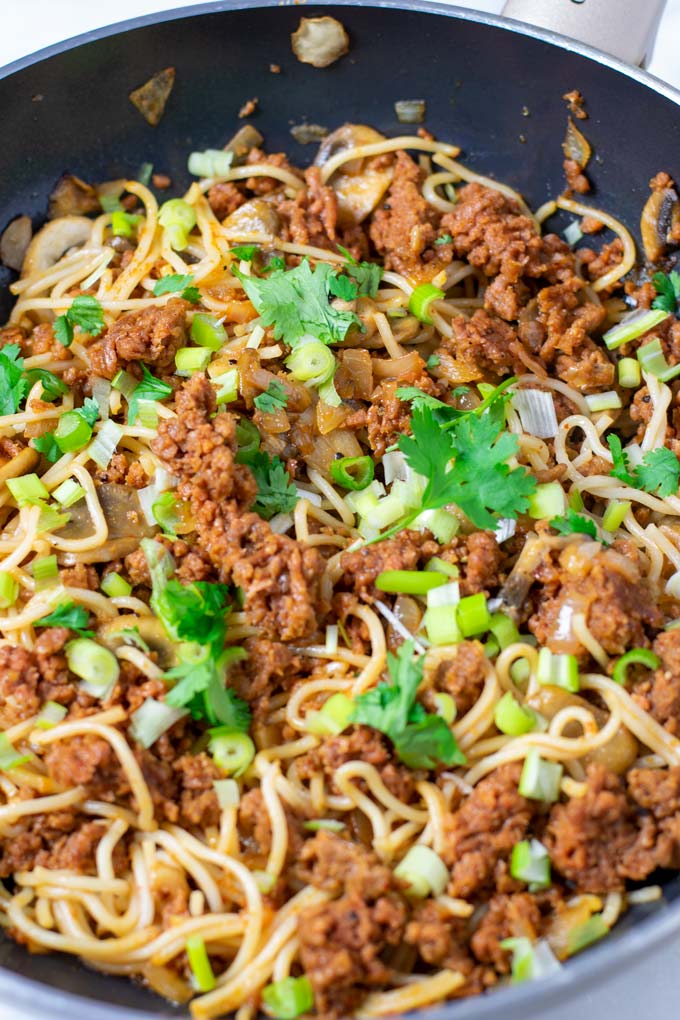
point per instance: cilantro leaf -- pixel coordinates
(342, 287)
(176, 282)
(467, 466)
(444, 239)
(13, 386)
(296, 303)
(620, 458)
(421, 740)
(85, 312)
(245, 252)
(275, 262)
(276, 494)
(432, 361)
(67, 614)
(89, 411)
(573, 523)
(658, 472)
(273, 399)
(63, 330)
(366, 274)
(668, 291)
(48, 446)
(149, 388)
(193, 612)
(53, 387)
(200, 687)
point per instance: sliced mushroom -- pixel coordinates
(618, 755)
(150, 631)
(15, 241)
(245, 139)
(319, 41)
(72, 197)
(358, 185)
(53, 241)
(125, 520)
(660, 222)
(151, 97)
(254, 217)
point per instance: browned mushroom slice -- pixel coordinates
(151, 97)
(358, 184)
(660, 222)
(126, 523)
(15, 241)
(245, 139)
(319, 41)
(72, 197)
(254, 217)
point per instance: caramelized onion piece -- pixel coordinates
(15, 241)
(151, 97)
(660, 222)
(72, 197)
(340, 442)
(126, 522)
(576, 146)
(55, 238)
(356, 371)
(395, 368)
(319, 41)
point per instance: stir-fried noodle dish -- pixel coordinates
(340, 579)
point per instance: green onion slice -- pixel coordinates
(635, 657)
(115, 586)
(423, 871)
(441, 625)
(92, 662)
(421, 299)
(473, 615)
(633, 326)
(409, 582)
(585, 934)
(9, 589)
(152, 719)
(288, 998)
(27, 490)
(353, 473)
(334, 717)
(512, 718)
(72, 432)
(530, 863)
(231, 751)
(9, 756)
(558, 670)
(50, 715)
(199, 961)
(208, 331)
(540, 779)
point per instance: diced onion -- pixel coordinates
(332, 638)
(101, 391)
(152, 719)
(394, 466)
(603, 401)
(410, 111)
(281, 523)
(505, 529)
(228, 793)
(573, 233)
(536, 410)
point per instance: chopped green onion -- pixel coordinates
(540, 779)
(179, 219)
(45, 568)
(635, 657)
(208, 331)
(603, 401)
(124, 383)
(228, 793)
(9, 589)
(105, 442)
(231, 751)
(115, 586)
(227, 391)
(191, 359)
(69, 492)
(353, 473)
(632, 326)
(512, 718)
(520, 671)
(441, 625)
(629, 373)
(547, 501)
(329, 395)
(288, 998)
(558, 670)
(210, 163)
(50, 519)
(124, 224)
(421, 299)
(147, 413)
(264, 881)
(92, 662)
(441, 523)
(334, 717)
(585, 934)
(144, 174)
(9, 756)
(50, 715)
(575, 500)
(199, 962)
(446, 706)
(491, 647)
(473, 615)
(504, 629)
(652, 360)
(151, 720)
(27, 490)
(72, 432)
(444, 594)
(530, 863)
(324, 825)
(423, 871)
(522, 958)
(311, 362)
(436, 563)
(614, 514)
(408, 582)
(164, 512)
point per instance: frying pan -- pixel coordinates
(493, 86)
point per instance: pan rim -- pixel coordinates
(601, 960)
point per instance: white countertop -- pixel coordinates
(28, 25)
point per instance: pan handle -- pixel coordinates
(624, 28)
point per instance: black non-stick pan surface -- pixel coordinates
(491, 87)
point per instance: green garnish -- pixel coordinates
(367, 275)
(444, 239)
(296, 303)
(53, 387)
(658, 472)
(572, 523)
(245, 252)
(48, 446)
(273, 399)
(668, 292)
(85, 312)
(13, 384)
(276, 494)
(175, 283)
(422, 740)
(68, 614)
(149, 388)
